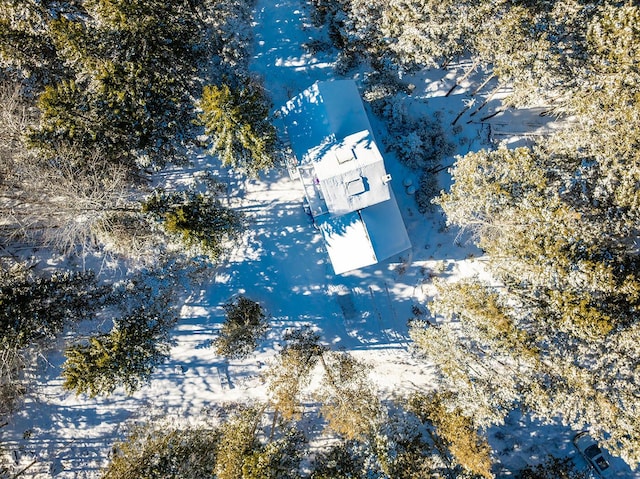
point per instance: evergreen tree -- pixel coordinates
(350, 404)
(553, 468)
(33, 307)
(291, 371)
(164, 451)
(26, 48)
(241, 455)
(198, 220)
(245, 324)
(126, 356)
(457, 431)
(34, 310)
(132, 73)
(548, 336)
(237, 120)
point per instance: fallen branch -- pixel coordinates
(485, 118)
(441, 168)
(488, 99)
(25, 469)
(464, 77)
(483, 84)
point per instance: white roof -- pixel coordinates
(343, 171)
(329, 129)
(363, 238)
(347, 242)
(350, 173)
(323, 113)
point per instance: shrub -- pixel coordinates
(427, 190)
(244, 326)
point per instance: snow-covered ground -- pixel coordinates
(284, 266)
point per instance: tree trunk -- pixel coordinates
(464, 77)
(488, 99)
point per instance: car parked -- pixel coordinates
(592, 453)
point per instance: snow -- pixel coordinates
(386, 229)
(347, 241)
(357, 182)
(283, 264)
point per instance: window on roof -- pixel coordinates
(355, 186)
(344, 155)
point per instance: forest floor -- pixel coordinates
(282, 264)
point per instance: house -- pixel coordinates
(346, 185)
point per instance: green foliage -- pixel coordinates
(34, 310)
(237, 119)
(164, 451)
(34, 307)
(66, 118)
(126, 356)
(131, 73)
(546, 338)
(231, 450)
(241, 455)
(457, 431)
(25, 46)
(198, 220)
(245, 324)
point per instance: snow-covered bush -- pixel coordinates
(165, 451)
(420, 143)
(383, 82)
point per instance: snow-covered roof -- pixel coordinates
(365, 237)
(343, 173)
(329, 129)
(323, 113)
(351, 173)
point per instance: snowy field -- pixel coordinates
(284, 266)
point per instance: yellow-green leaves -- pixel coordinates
(237, 120)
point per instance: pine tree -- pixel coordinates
(457, 431)
(565, 290)
(34, 310)
(126, 356)
(350, 404)
(245, 324)
(237, 120)
(291, 371)
(164, 451)
(198, 220)
(553, 468)
(242, 453)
